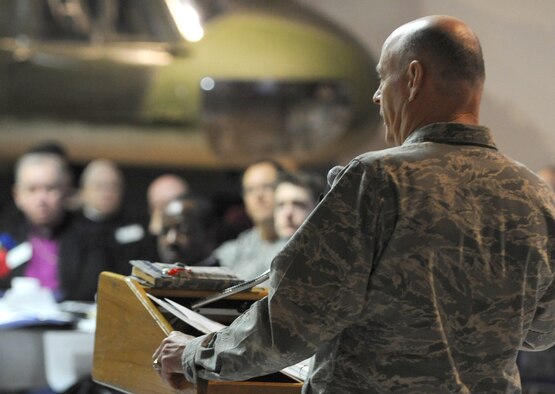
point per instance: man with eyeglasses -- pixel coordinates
(252, 252)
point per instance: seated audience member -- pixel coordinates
(250, 254)
(548, 175)
(46, 242)
(55, 147)
(101, 190)
(161, 191)
(187, 232)
(295, 197)
(59, 150)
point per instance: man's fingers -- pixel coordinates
(167, 359)
(159, 350)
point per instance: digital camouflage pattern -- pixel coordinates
(423, 270)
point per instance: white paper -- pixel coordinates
(209, 325)
(205, 325)
(195, 320)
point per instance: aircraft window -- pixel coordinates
(272, 117)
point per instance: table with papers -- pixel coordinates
(43, 343)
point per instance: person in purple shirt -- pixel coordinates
(49, 245)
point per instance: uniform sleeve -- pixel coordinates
(319, 285)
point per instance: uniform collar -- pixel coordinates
(452, 133)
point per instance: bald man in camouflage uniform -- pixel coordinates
(424, 269)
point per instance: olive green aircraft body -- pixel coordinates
(120, 80)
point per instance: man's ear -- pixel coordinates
(414, 73)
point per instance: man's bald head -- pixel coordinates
(161, 191)
(431, 70)
(445, 45)
(102, 188)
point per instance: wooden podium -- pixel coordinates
(130, 327)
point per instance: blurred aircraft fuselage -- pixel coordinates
(121, 79)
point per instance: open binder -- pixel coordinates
(130, 327)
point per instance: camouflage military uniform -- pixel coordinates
(424, 270)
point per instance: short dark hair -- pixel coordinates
(312, 182)
(460, 60)
(274, 163)
(53, 147)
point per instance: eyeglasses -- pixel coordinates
(263, 188)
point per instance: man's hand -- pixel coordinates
(168, 356)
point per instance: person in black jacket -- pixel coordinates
(102, 186)
(42, 239)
